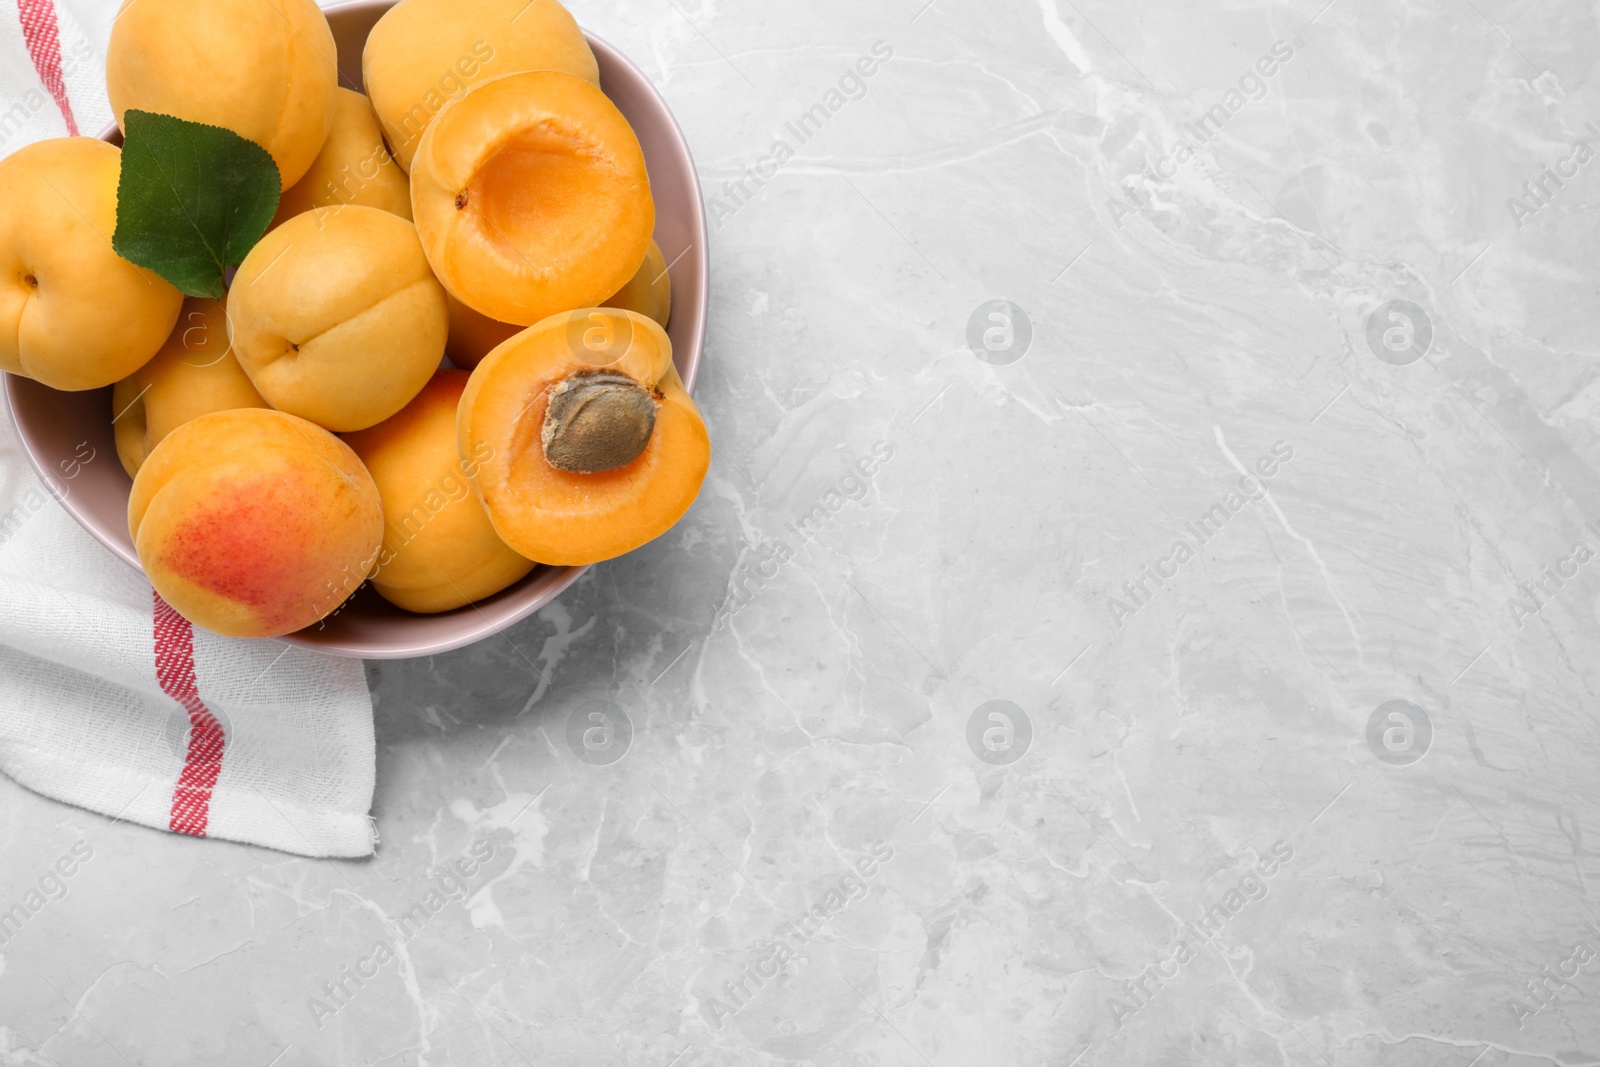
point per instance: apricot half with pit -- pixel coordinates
(336, 317)
(73, 313)
(254, 523)
(592, 446)
(194, 374)
(531, 196)
(440, 551)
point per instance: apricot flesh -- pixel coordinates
(354, 167)
(473, 334)
(73, 314)
(254, 523)
(422, 53)
(531, 197)
(336, 317)
(194, 374)
(567, 517)
(440, 551)
(264, 69)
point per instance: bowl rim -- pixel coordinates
(556, 580)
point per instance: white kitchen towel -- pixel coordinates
(108, 698)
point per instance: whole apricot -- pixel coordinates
(265, 69)
(354, 167)
(440, 551)
(531, 196)
(473, 334)
(422, 53)
(649, 291)
(336, 317)
(590, 444)
(194, 374)
(254, 523)
(73, 313)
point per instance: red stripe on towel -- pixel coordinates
(40, 30)
(191, 800)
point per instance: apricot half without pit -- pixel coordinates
(531, 196)
(593, 447)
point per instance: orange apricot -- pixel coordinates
(649, 291)
(473, 334)
(422, 53)
(337, 318)
(531, 196)
(592, 446)
(194, 374)
(440, 551)
(254, 523)
(264, 69)
(73, 313)
(354, 167)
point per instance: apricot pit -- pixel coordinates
(597, 422)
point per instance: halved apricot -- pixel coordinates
(593, 446)
(474, 335)
(531, 196)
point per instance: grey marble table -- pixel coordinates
(1142, 611)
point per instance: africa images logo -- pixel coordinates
(1205, 930)
(786, 946)
(851, 85)
(1251, 87)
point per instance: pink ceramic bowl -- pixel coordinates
(52, 424)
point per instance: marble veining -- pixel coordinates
(1142, 608)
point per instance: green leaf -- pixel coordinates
(192, 201)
